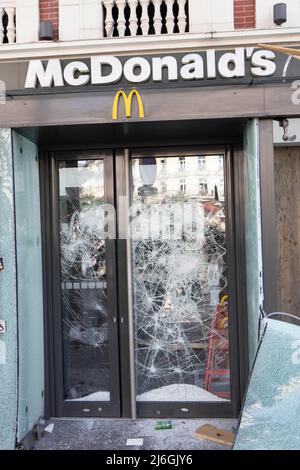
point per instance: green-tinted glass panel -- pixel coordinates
(271, 414)
(30, 285)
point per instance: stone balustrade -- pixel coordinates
(7, 22)
(145, 17)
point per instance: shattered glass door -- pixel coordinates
(180, 289)
(85, 282)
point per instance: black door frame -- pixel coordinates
(59, 406)
(268, 219)
(239, 341)
(233, 171)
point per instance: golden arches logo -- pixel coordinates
(127, 99)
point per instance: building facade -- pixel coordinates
(149, 200)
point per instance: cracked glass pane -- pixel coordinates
(271, 412)
(83, 280)
(178, 231)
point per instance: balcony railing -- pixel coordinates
(98, 19)
(145, 17)
(7, 23)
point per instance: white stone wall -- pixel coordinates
(83, 19)
(27, 21)
(211, 16)
(80, 19)
(26, 12)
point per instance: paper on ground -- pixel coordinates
(135, 442)
(49, 428)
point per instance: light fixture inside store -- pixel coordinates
(46, 31)
(148, 170)
(280, 13)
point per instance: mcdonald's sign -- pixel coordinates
(127, 99)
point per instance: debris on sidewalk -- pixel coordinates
(49, 428)
(161, 425)
(211, 433)
(135, 442)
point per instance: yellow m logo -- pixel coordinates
(128, 104)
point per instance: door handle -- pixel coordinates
(122, 320)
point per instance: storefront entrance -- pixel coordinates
(142, 308)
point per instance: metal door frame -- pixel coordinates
(55, 403)
(234, 170)
(234, 187)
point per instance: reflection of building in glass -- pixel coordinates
(182, 186)
(181, 163)
(201, 163)
(203, 188)
(191, 176)
(85, 177)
